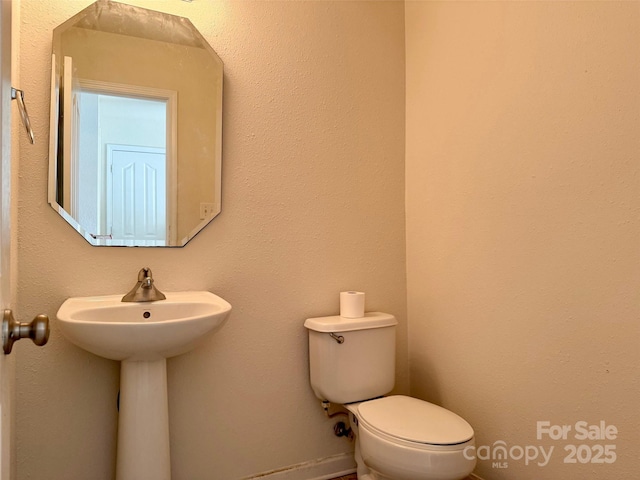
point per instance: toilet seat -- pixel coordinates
(408, 420)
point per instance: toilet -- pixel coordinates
(352, 363)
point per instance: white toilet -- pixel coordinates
(352, 362)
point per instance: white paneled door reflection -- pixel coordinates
(136, 194)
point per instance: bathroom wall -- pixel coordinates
(523, 225)
(313, 203)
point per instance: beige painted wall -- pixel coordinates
(313, 203)
(523, 225)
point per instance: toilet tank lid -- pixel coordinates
(342, 324)
(415, 420)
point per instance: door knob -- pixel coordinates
(12, 331)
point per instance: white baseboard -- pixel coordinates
(320, 469)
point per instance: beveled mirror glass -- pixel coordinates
(135, 153)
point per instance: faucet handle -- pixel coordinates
(144, 290)
(144, 273)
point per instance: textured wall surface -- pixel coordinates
(523, 223)
(313, 203)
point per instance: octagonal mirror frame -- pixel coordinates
(135, 154)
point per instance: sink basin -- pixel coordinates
(142, 336)
(110, 328)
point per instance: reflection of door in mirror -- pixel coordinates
(139, 122)
(70, 130)
(136, 195)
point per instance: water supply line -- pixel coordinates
(340, 429)
(327, 405)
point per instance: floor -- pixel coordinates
(353, 476)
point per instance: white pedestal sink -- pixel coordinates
(142, 336)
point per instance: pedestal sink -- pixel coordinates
(142, 336)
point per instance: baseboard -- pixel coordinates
(475, 477)
(320, 469)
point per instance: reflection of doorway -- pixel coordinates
(136, 207)
(115, 114)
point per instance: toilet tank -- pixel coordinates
(352, 359)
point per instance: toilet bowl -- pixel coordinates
(403, 438)
(352, 363)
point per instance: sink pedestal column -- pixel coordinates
(143, 422)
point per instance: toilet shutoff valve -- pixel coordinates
(340, 430)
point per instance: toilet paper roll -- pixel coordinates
(352, 304)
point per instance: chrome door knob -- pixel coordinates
(12, 331)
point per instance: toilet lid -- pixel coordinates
(415, 420)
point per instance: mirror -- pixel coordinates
(135, 154)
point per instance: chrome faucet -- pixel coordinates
(144, 290)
